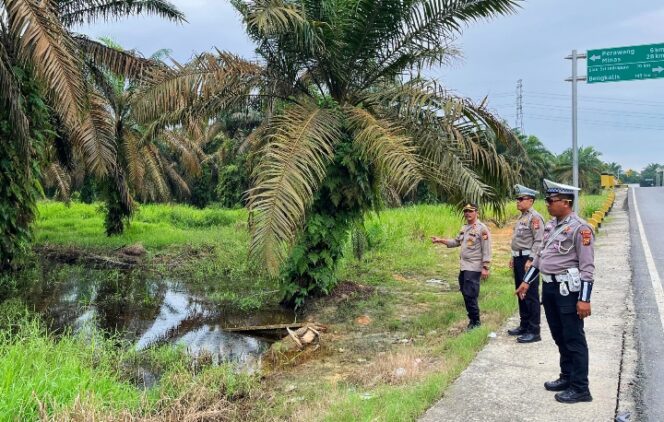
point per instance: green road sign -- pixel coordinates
(626, 63)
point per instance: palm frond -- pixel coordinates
(270, 18)
(154, 171)
(78, 12)
(294, 162)
(44, 43)
(207, 84)
(120, 62)
(95, 138)
(135, 163)
(452, 132)
(181, 185)
(387, 146)
(56, 177)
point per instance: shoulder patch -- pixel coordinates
(536, 223)
(485, 235)
(586, 236)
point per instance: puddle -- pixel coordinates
(149, 311)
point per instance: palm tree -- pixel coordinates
(347, 113)
(613, 168)
(540, 161)
(590, 168)
(648, 174)
(35, 40)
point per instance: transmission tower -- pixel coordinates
(519, 106)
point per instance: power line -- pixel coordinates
(561, 97)
(599, 110)
(592, 122)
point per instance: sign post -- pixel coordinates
(638, 62)
(574, 57)
(633, 63)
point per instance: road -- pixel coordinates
(647, 259)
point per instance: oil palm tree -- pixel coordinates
(347, 113)
(590, 168)
(36, 40)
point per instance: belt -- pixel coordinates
(525, 252)
(559, 278)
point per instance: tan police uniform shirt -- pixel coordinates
(475, 242)
(528, 232)
(572, 246)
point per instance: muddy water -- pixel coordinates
(149, 311)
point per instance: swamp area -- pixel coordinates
(160, 323)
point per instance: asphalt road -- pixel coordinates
(647, 260)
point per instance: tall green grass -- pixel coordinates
(34, 366)
(156, 226)
(95, 372)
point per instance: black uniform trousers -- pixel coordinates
(529, 307)
(469, 284)
(567, 331)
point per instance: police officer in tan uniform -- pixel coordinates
(566, 263)
(526, 244)
(475, 241)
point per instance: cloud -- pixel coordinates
(648, 23)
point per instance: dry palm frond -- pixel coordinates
(387, 146)
(48, 47)
(78, 12)
(188, 152)
(155, 172)
(95, 138)
(125, 63)
(206, 85)
(176, 180)
(55, 176)
(300, 146)
(134, 159)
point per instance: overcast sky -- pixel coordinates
(625, 120)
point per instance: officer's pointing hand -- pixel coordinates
(521, 291)
(583, 309)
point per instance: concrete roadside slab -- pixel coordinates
(505, 381)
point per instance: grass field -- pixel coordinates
(387, 355)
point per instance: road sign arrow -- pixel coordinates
(659, 69)
(595, 57)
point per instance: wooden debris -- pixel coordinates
(265, 327)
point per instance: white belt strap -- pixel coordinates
(548, 278)
(526, 252)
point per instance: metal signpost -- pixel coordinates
(626, 63)
(619, 64)
(574, 57)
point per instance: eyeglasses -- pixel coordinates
(551, 200)
(522, 198)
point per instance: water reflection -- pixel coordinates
(149, 311)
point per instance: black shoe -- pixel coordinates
(473, 324)
(572, 396)
(561, 384)
(529, 338)
(516, 331)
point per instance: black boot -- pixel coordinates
(561, 384)
(571, 395)
(516, 331)
(529, 338)
(473, 325)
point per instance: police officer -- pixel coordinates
(566, 263)
(526, 244)
(475, 241)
